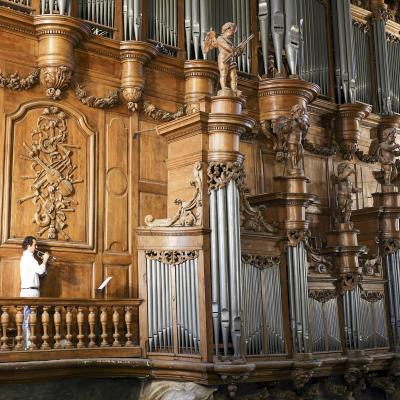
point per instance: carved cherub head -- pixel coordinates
(228, 29)
(389, 135)
(345, 169)
(299, 113)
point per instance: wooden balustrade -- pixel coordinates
(32, 326)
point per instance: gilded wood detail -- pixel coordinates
(53, 173)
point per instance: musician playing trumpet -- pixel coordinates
(30, 272)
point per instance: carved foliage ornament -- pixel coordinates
(133, 95)
(260, 262)
(322, 295)
(349, 282)
(15, 82)
(371, 266)
(53, 173)
(220, 174)
(190, 213)
(97, 102)
(172, 257)
(158, 114)
(56, 79)
(372, 297)
(390, 246)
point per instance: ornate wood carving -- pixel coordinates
(318, 262)
(372, 296)
(320, 150)
(53, 173)
(348, 282)
(220, 174)
(371, 266)
(134, 96)
(322, 295)
(56, 80)
(295, 237)
(172, 257)
(260, 262)
(157, 114)
(97, 102)
(15, 82)
(390, 246)
(190, 213)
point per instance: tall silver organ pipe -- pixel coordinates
(162, 21)
(159, 306)
(100, 13)
(225, 268)
(351, 300)
(392, 264)
(393, 47)
(263, 19)
(61, 7)
(298, 298)
(363, 68)
(345, 73)
(314, 59)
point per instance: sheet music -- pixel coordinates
(105, 283)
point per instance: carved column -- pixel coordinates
(200, 80)
(134, 57)
(347, 124)
(58, 36)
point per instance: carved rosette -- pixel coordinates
(220, 174)
(56, 80)
(15, 82)
(190, 213)
(260, 262)
(172, 257)
(97, 102)
(322, 295)
(372, 296)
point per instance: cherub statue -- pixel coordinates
(288, 134)
(227, 54)
(345, 190)
(386, 152)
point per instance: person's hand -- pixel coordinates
(46, 257)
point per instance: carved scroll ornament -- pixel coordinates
(53, 172)
(97, 102)
(260, 262)
(15, 82)
(190, 213)
(172, 257)
(319, 263)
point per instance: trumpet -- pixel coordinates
(40, 254)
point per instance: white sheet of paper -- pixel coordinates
(105, 283)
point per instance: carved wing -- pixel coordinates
(210, 41)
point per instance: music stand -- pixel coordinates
(100, 290)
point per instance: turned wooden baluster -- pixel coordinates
(5, 319)
(57, 325)
(128, 322)
(45, 323)
(115, 319)
(80, 318)
(103, 320)
(92, 322)
(32, 328)
(19, 319)
(68, 323)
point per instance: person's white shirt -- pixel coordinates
(30, 270)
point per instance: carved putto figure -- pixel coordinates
(387, 151)
(344, 193)
(288, 134)
(227, 54)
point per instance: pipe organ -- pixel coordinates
(239, 186)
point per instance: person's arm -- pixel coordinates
(41, 269)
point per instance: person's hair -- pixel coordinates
(27, 242)
(228, 25)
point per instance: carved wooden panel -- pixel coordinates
(117, 185)
(250, 165)
(269, 169)
(9, 277)
(316, 170)
(367, 183)
(68, 280)
(49, 176)
(154, 204)
(119, 284)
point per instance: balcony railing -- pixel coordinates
(75, 328)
